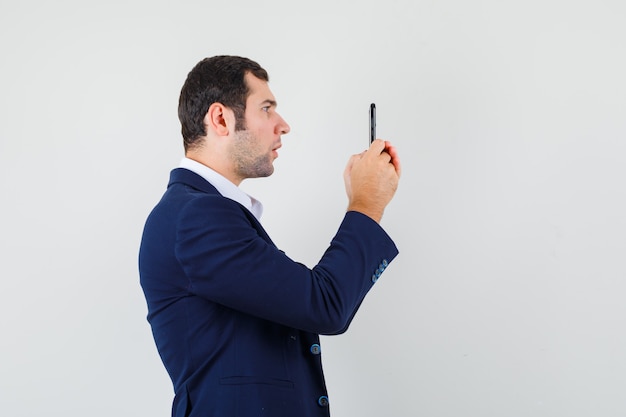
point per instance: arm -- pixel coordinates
(227, 262)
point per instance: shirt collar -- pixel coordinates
(224, 186)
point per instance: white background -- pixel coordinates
(508, 297)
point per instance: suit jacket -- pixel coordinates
(235, 320)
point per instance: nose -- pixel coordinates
(282, 127)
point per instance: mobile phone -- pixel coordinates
(372, 122)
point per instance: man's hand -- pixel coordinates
(371, 179)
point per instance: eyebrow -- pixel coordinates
(270, 102)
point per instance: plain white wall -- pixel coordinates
(507, 298)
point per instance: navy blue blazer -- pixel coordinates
(235, 320)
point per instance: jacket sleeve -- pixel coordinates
(228, 262)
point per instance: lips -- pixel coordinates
(275, 150)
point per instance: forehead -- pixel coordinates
(259, 89)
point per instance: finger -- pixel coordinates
(384, 155)
(395, 161)
(389, 150)
(394, 158)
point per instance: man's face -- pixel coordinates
(254, 149)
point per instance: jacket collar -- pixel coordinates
(190, 178)
(184, 176)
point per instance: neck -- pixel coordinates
(216, 164)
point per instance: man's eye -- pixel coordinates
(266, 109)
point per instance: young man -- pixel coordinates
(236, 321)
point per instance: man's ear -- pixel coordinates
(219, 119)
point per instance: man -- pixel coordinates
(235, 321)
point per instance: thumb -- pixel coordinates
(377, 147)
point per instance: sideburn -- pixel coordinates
(240, 119)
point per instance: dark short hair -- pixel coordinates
(218, 79)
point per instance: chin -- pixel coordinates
(262, 173)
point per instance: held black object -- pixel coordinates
(372, 122)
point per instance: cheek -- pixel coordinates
(256, 127)
(264, 134)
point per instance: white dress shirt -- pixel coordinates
(224, 186)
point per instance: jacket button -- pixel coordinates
(323, 401)
(385, 263)
(316, 349)
(374, 278)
